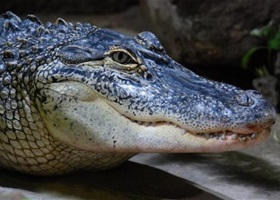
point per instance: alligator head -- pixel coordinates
(107, 92)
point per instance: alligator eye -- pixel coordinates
(121, 57)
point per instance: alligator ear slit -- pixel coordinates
(74, 54)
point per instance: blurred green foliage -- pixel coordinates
(270, 37)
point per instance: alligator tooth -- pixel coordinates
(146, 124)
(242, 138)
(140, 123)
(217, 136)
(206, 135)
(154, 124)
(253, 136)
(223, 137)
(234, 136)
(211, 135)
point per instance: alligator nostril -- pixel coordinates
(254, 93)
(244, 99)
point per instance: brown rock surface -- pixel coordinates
(210, 32)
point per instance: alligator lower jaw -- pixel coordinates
(220, 135)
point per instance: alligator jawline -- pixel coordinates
(221, 135)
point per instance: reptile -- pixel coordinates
(77, 97)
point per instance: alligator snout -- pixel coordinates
(259, 113)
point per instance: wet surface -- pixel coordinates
(247, 174)
(130, 181)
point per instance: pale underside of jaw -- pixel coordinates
(219, 135)
(168, 137)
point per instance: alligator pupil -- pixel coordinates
(121, 57)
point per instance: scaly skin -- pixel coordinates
(77, 97)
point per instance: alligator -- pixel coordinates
(77, 97)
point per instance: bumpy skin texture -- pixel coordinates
(78, 97)
(25, 143)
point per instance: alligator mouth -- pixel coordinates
(168, 136)
(226, 135)
(220, 135)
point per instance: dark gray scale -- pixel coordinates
(32, 38)
(9, 54)
(34, 19)
(2, 67)
(9, 24)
